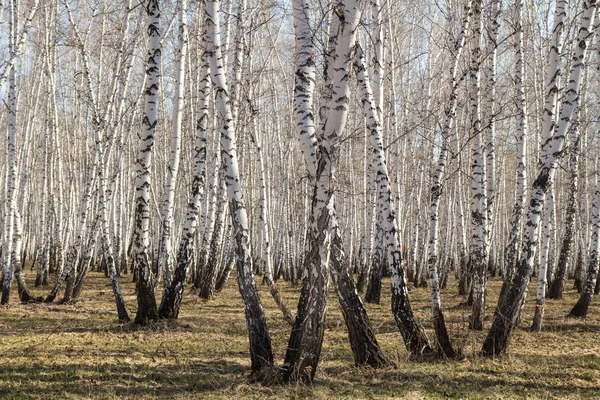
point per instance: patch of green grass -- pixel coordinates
(80, 351)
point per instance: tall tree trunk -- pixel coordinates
(521, 159)
(165, 249)
(11, 168)
(147, 310)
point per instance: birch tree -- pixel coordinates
(147, 310)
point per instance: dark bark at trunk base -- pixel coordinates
(373, 294)
(363, 342)
(413, 334)
(224, 276)
(295, 367)
(444, 345)
(173, 295)
(506, 314)
(69, 288)
(147, 310)
(84, 268)
(24, 294)
(209, 280)
(538, 317)
(261, 353)
(581, 307)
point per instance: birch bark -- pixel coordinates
(147, 310)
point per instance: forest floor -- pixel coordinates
(80, 351)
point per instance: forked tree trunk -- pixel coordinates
(362, 338)
(306, 340)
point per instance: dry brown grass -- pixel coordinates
(79, 351)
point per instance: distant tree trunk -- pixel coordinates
(373, 293)
(210, 269)
(542, 272)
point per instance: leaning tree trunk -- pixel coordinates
(507, 312)
(261, 354)
(413, 334)
(363, 342)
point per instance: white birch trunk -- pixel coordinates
(141, 237)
